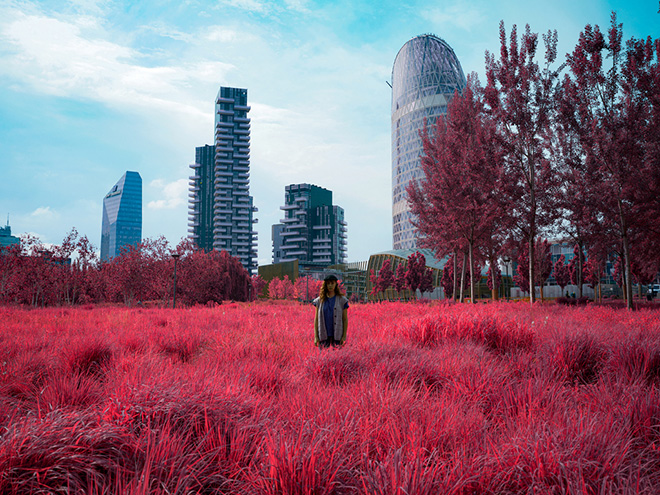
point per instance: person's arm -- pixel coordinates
(316, 325)
(344, 317)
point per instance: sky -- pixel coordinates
(92, 88)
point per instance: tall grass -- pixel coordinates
(423, 399)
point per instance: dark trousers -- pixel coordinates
(329, 343)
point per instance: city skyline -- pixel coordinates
(90, 88)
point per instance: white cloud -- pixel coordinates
(462, 15)
(171, 195)
(44, 212)
(249, 5)
(55, 57)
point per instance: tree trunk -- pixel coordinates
(471, 274)
(532, 292)
(580, 269)
(628, 284)
(461, 297)
(455, 270)
(494, 290)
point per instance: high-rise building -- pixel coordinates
(122, 216)
(221, 210)
(313, 230)
(6, 239)
(201, 197)
(425, 75)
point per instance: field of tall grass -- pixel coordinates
(423, 399)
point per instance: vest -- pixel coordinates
(319, 323)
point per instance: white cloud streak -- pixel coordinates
(170, 195)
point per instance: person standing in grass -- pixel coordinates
(331, 321)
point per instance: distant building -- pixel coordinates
(122, 216)
(6, 239)
(201, 197)
(313, 230)
(425, 75)
(221, 210)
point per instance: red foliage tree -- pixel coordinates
(275, 288)
(399, 283)
(456, 204)
(561, 273)
(307, 288)
(520, 97)
(385, 276)
(614, 119)
(542, 265)
(258, 286)
(448, 279)
(416, 267)
(427, 281)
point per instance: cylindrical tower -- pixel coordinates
(425, 75)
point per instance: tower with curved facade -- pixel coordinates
(425, 75)
(122, 216)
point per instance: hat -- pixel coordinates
(330, 278)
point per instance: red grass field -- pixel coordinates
(423, 399)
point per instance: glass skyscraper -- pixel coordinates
(221, 210)
(313, 230)
(201, 196)
(425, 75)
(122, 216)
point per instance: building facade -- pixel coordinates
(200, 197)
(122, 216)
(425, 75)
(6, 239)
(313, 230)
(221, 210)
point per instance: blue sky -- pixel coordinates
(92, 88)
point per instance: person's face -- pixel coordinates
(331, 285)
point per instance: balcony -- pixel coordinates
(195, 165)
(321, 227)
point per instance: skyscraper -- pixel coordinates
(313, 230)
(221, 210)
(425, 75)
(201, 197)
(122, 216)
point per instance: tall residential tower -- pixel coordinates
(313, 230)
(221, 210)
(425, 75)
(122, 216)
